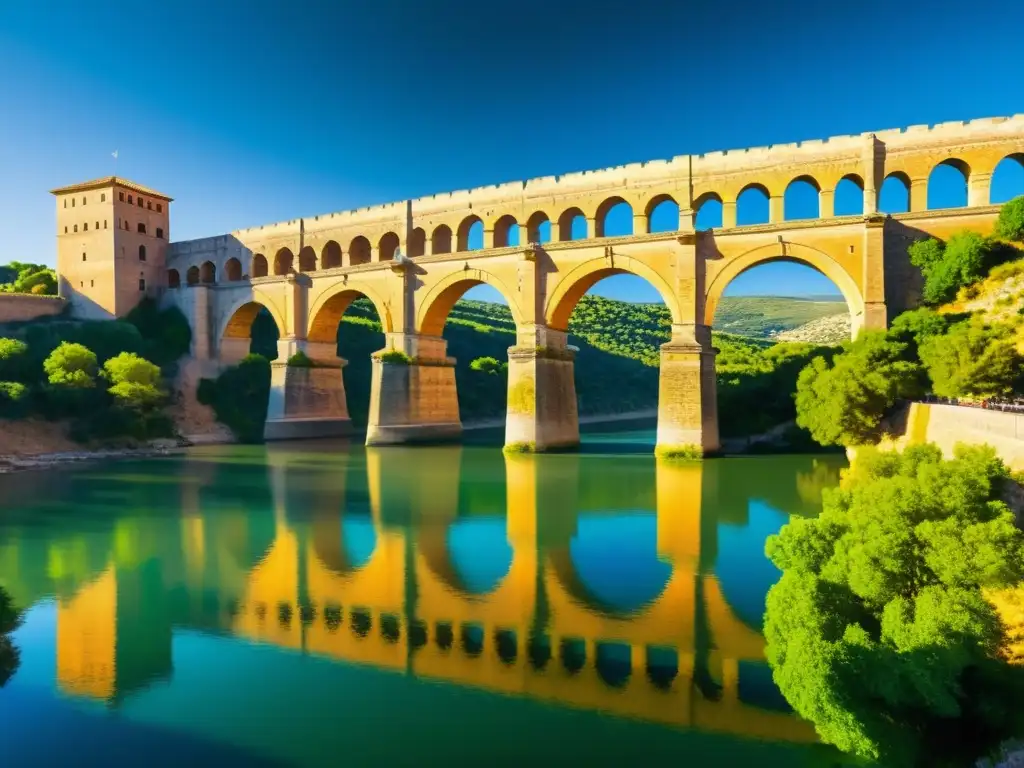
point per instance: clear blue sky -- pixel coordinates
(298, 108)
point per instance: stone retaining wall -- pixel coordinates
(19, 307)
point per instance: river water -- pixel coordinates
(325, 604)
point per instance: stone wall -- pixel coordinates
(19, 307)
(947, 425)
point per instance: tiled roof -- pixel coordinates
(109, 181)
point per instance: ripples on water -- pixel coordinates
(323, 603)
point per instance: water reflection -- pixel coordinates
(617, 584)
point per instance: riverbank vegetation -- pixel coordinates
(108, 380)
(879, 631)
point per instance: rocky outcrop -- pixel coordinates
(832, 329)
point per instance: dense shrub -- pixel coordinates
(300, 360)
(15, 364)
(973, 360)
(19, 277)
(966, 258)
(14, 400)
(165, 332)
(845, 403)
(877, 631)
(1010, 224)
(71, 366)
(134, 381)
(239, 397)
(489, 365)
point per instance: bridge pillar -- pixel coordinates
(826, 203)
(728, 214)
(412, 395)
(306, 402)
(919, 194)
(542, 413)
(687, 401)
(978, 188)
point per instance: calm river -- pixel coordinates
(327, 604)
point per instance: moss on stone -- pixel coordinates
(523, 447)
(395, 357)
(522, 396)
(689, 452)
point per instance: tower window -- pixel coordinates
(83, 256)
(129, 199)
(142, 284)
(142, 253)
(65, 230)
(83, 200)
(97, 225)
(159, 233)
(92, 283)
(126, 225)
(142, 229)
(149, 204)
(85, 227)
(76, 227)
(65, 202)
(120, 196)
(159, 208)
(104, 223)
(72, 202)
(103, 198)
(140, 202)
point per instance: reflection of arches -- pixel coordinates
(208, 273)
(441, 240)
(344, 544)
(470, 228)
(894, 194)
(571, 288)
(433, 311)
(478, 555)
(307, 259)
(387, 247)
(568, 221)
(359, 251)
(330, 256)
(1007, 179)
(259, 265)
(612, 564)
(173, 278)
(326, 312)
(233, 269)
(283, 262)
(947, 184)
(812, 257)
(506, 232)
(617, 208)
(192, 276)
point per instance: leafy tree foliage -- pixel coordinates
(14, 360)
(1010, 224)
(488, 365)
(166, 333)
(134, 381)
(29, 278)
(973, 359)
(239, 397)
(71, 365)
(878, 632)
(964, 259)
(845, 403)
(13, 399)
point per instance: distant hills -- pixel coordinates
(764, 317)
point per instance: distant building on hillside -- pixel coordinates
(112, 239)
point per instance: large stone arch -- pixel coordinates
(432, 312)
(571, 288)
(847, 284)
(236, 323)
(326, 311)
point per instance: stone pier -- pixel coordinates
(412, 393)
(307, 401)
(542, 413)
(687, 402)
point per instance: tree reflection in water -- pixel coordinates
(10, 620)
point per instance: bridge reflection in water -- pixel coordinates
(525, 582)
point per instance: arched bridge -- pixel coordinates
(542, 244)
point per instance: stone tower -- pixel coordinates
(112, 239)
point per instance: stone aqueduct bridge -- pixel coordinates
(412, 260)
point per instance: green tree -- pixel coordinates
(973, 360)
(877, 631)
(964, 259)
(239, 397)
(14, 360)
(489, 365)
(134, 381)
(30, 278)
(71, 365)
(1010, 224)
(13, 399)
(10, 620)
(844, 403)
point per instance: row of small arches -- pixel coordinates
(613, 661)
(947, 187)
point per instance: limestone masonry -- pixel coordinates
(414, 260)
